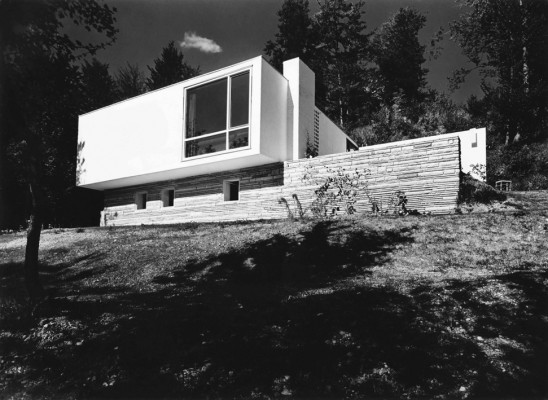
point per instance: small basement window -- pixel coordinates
(231, 190)
(141, 200)
(168, 197)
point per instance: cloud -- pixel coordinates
(193, 41)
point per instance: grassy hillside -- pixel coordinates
(447, 306)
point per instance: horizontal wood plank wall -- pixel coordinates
(427, 171)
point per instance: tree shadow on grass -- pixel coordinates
(506, 317)
(272, 319)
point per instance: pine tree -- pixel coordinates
(342, 54)
(169, 68)
(130, 82)
(507, 43)
(400, 56)
(98, 86)
(295, 37)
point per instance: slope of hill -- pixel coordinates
(446, 306)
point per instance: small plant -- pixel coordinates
(311, 149)
(283, 201)
(475, 191)
(479, 171)
(399, 203)
(339, 191)
(299, 205)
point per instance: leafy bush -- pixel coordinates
(525, 165)
(475, 191)
(337, 192)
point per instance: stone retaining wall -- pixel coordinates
(426, 169)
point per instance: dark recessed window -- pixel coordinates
(141, 200)
(206, 110)
(216, 121)
(168, 197)
(231, 190)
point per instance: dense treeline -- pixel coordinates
(373, 83)
(44, 91)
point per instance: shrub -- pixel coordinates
(338, 192)
(525, 165)
(475, 191)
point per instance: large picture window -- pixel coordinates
(217, 116)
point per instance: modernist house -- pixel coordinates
(214, 147)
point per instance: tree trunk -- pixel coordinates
(3, 203)
(32, 278)
(524, 53)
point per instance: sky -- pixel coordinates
(214, 34)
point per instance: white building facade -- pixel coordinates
(219, 146)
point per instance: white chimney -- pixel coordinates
(302, 89)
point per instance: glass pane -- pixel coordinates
(239, 100)
(238, 138)
(210, 144)
(206, 109)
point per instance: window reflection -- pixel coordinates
(238, 138)
(210, 144)
(239, 100)
(208, 129)
(206, 109)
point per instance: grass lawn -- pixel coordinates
(421, 306)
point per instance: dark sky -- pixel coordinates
(241, 28)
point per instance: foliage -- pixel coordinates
(295, 37)
(337, 192)
(506, 42)
(311, 148)
(479, 170)
(474, 191)
(130, 81)
(404, 119)
(98, 86)
(41, 80)
(399, 203)
(345, 87)
(169, 68)
(38, 122)
(400, 56)
(525, 165)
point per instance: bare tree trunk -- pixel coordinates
(32, 277)
(3, 204)
(524, 54)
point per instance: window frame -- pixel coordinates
(228, 129)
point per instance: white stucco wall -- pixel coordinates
(275, 124)
(302, 91)
(473, 148)
(332, 138)
(140, 140)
